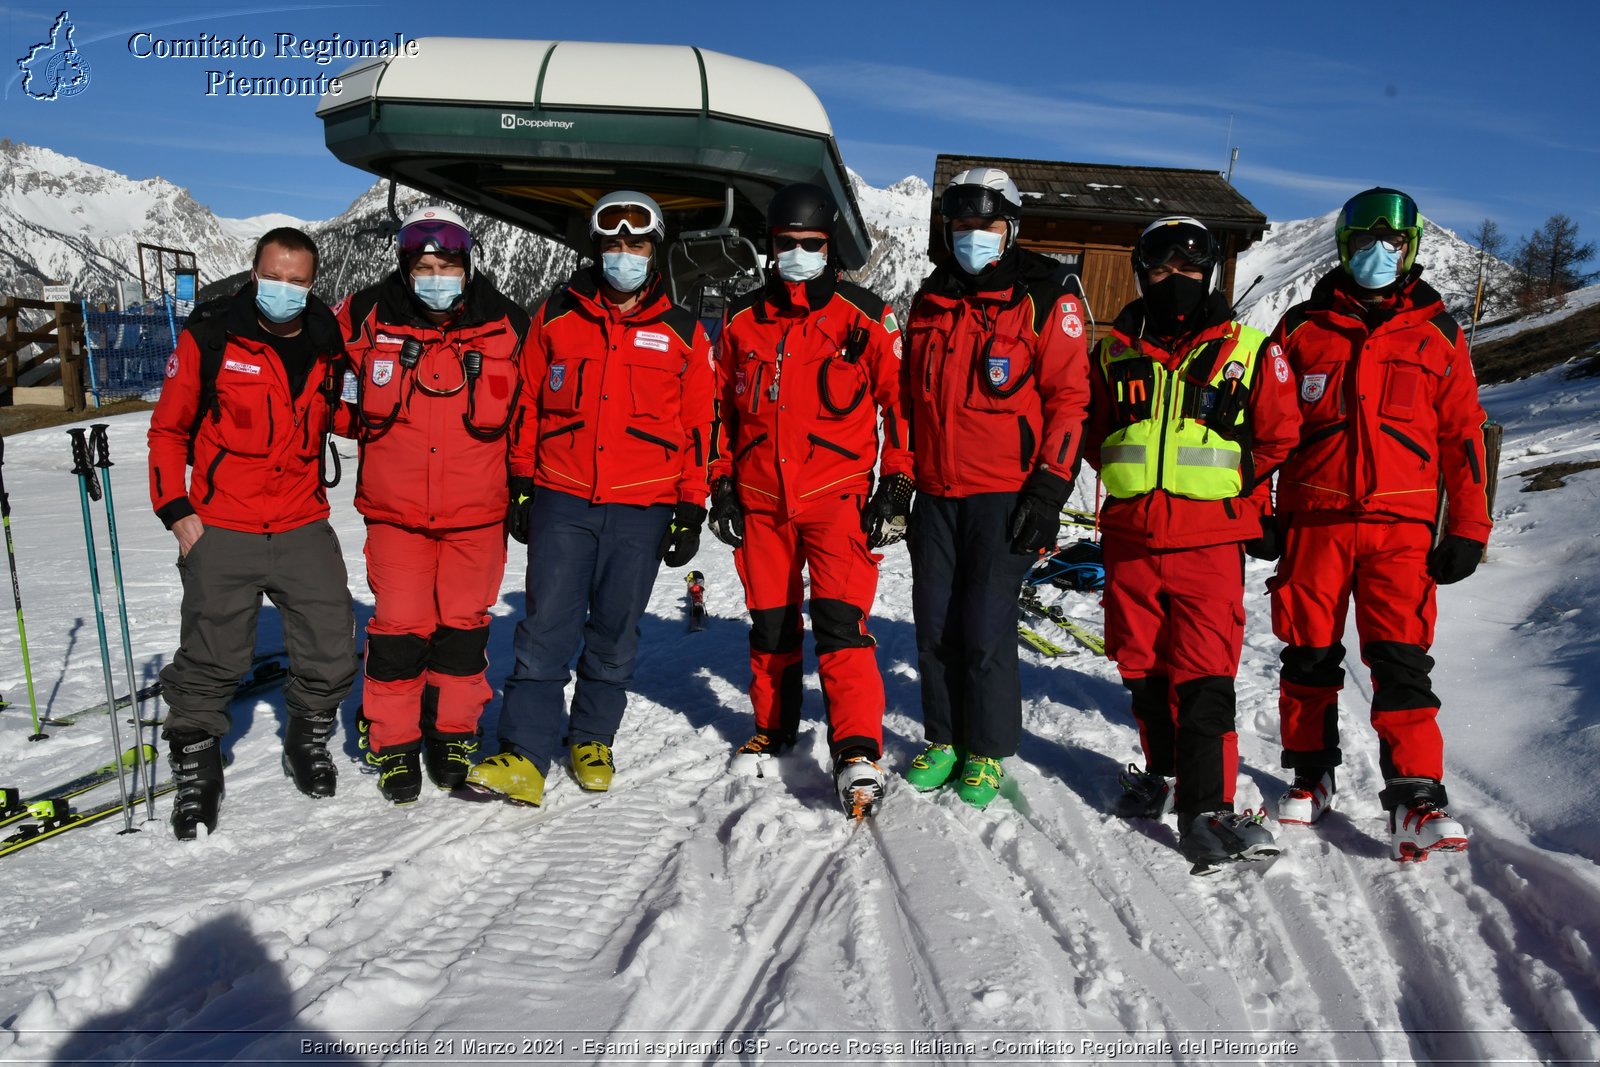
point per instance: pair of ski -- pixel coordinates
(266, 670)
(50, 813)
(1055, 614)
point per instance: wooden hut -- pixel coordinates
(1091, 214)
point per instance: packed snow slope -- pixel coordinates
(692, 906)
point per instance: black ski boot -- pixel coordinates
(305, 752)
(399, 776)
(448, 758)
(196, 760)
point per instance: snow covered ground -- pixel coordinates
(691, 906)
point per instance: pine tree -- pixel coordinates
(1548, 261)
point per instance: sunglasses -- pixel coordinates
(435, 235)
(637, 218)
(1360, 242)
(784, 243)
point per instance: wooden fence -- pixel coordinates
(59, 339)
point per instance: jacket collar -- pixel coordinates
(318, 322)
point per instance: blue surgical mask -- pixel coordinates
(438, 291)
(1375, 267)
(280, 301)
(624, 271)
(976, 249)
(798, 265)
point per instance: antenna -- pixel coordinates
(1228, 145)
(1232, 159)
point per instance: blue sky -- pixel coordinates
(1479, 110)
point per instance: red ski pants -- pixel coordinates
(1175, 627)
(429, 629)
(825, 539)
(1382, 565)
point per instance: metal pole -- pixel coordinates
(86, 479)
(94, 382)
(99, 445)
(16, 595)
(1477, 301)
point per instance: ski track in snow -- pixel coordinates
(692, 904)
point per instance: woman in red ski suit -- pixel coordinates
(437, 391)
(805, 367)
(1190, 414)
(1392, 416)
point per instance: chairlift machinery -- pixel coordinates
(529, 132)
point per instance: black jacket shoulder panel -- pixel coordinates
(863, 299)
(681, 322)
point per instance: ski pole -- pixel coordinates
(89, 485)
(16, 595)
(100, 448)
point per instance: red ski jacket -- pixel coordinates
(255, 448)
(803, 371)
(995, 382)
(617, 408)
(1391, 408)
(434, 437)
(1162, 520)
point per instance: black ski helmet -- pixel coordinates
(1179, 235)
(802, 206)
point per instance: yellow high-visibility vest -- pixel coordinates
(1192, 441)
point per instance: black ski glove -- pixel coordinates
(727, 518)
(1037, 520)
(1269, 545)
(519, 509)
(888, 513)
(682, 539)
(1454, 558)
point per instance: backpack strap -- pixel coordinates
(208, 324)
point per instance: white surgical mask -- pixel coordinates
(798, 265)
(1376, 266)
(280, 301)
(624, 271)
(438, 291)
(975, 250)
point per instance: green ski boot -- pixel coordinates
(980, 780)
(933, 767)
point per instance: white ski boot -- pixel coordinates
(860, 783)
(1307, 800)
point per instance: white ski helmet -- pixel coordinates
(434, 228)
(1180, 235)
(986, 192)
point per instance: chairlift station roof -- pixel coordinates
(533, 132)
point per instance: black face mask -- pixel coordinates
(1172, 300)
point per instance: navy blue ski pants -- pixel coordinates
(964, 586)
(590, 571)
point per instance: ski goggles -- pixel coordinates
(639, 220)
(434, 235)
(1379, 207)
(783, 242)
(979, 201)
(1183, 238)
(1365, 239)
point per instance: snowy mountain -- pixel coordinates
(65, 220)
(1294, 255)
(689, 906)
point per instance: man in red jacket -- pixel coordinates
(608, 469)
(1391, 415)
(434, 350)
(995, 382)
(1191, 413)
(805, 366)
(252, 389)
